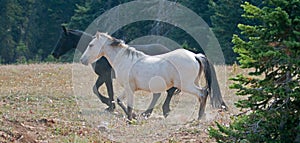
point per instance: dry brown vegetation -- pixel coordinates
(38, 104)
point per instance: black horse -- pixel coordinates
(70, 38)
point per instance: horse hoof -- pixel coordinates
(132, 122)
(224, 107)
(134, 116)
(166, 115)
(110, 109)
(201, 116)
(146, 114)
(166, 112)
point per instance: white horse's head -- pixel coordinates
(96, 47)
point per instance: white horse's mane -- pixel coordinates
(129, 51)
(133, 52)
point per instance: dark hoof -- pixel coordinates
(134, 116)
(224, 107)
(111, 108)
(166, 113)
(201, 116)
(131, 122)
(146, 114)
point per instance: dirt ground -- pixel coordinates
(54, 103)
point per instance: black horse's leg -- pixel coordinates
(148, 112)
(120, 103)
(166, 105)
(98, 83)
(110, 91)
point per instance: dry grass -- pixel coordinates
(38, 105)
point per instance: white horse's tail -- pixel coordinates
(215, 100)
(204, 66)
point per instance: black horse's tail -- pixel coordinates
(216, 100)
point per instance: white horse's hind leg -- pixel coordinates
(201, 94)
(202, 105)
(193, 89)
(202, 99)
(148, 112)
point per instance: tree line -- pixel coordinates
(29, 29)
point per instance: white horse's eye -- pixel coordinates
(91, 45)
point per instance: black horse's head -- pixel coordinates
(68, 40)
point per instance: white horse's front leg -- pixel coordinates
(129, 104)
(120, 103)
(128, 110)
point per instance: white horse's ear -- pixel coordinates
(98, 34)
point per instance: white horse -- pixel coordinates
(137, 71)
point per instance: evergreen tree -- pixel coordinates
(200, 7)
(29, 28)
(227, 14)
(272, 89)
(87, 12)
(9, 29)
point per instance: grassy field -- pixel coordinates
(54, 103)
